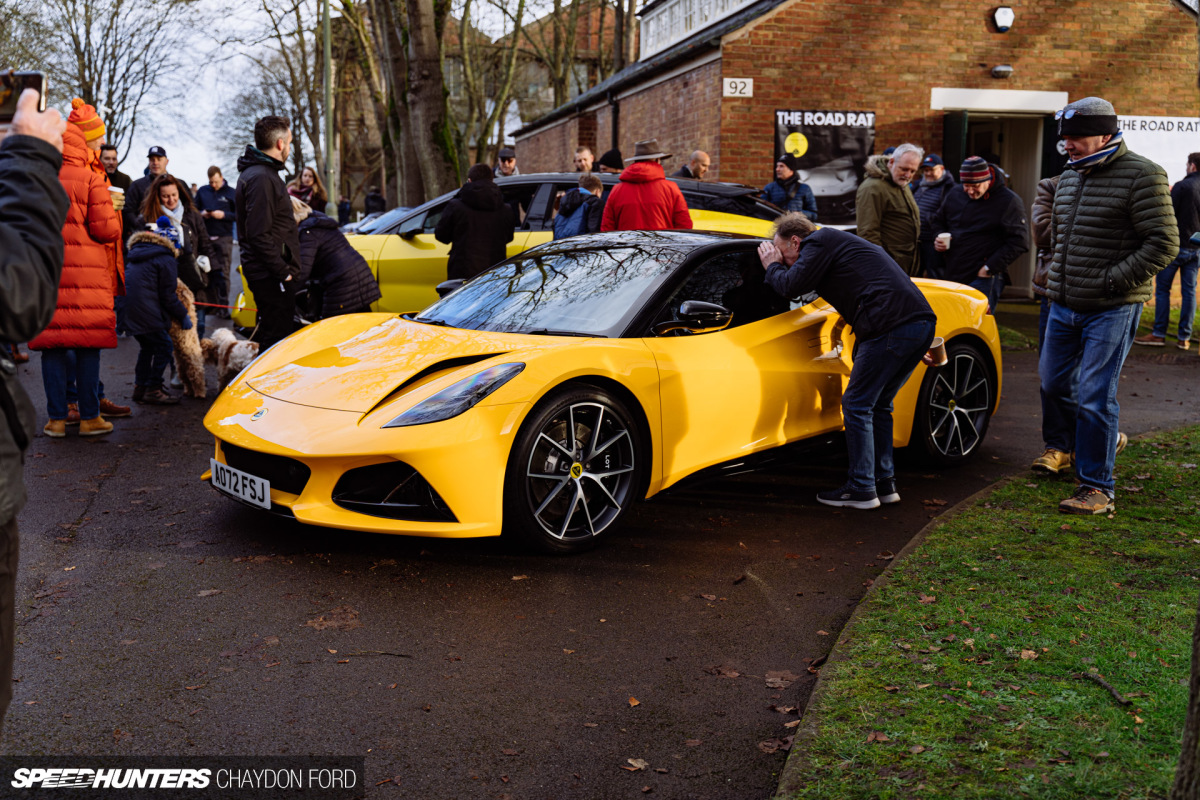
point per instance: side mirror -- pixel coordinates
(696, 316)
(446, 287)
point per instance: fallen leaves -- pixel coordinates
(342, 618)
(877, 736)
(775, 744)
(1028, 655)
(723, 671)
(926, 599)
(208, 593)
(633, 702)
(886, 555)
(520, 577)
(780, 679)
(916, 749)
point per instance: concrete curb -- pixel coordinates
(792, 778)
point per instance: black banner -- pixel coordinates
(201, 777)
(832, 147)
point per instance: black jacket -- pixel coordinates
(860, 280)
(477, 224)
(120, 180)
(223, 200)
(1185, 198)
(267, 234)
(135, 195)
(33, 210)
(150, 271)
(595, 208)
(374, 203)
(195, 243)
(929, 197)
(991, 231)
(346, 280)
(683, 172)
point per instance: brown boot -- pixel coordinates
(110, 409)
(72, 414)
(55, 428)
(95, 427)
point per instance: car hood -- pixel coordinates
(386, 360)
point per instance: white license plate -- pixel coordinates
(245, 487)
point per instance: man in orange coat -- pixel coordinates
(84, 320)
(645, 200)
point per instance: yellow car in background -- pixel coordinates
(547, 395)
(409, 262)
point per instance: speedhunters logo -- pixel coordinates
(74, 778)
(296, 778)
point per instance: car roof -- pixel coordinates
(714, 188)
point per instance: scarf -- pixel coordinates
(1098, 157)
(176, 218)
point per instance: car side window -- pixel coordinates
(414, 224)
(519, 197)
(735, 281)
(432, 217)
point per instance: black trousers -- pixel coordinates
(218, 278)
(9, 549)
(276, 304)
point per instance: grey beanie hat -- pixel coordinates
(1089, 116)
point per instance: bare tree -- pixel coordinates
(488, 72)
(118, 55)
(424, 98)
(284, 45)
(553, 42)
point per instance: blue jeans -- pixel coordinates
(1186, 265)
(991, 288)
(881, 366)
(72, 391)
(1043, 318)
(153, 357)
(1080, 368)
(55, 371)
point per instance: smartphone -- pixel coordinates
(12, 83)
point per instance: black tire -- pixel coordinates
(955, 405)
(562, 493)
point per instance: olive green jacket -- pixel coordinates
(887, 215)
(1113, 230)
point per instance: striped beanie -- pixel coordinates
(85, 118)
(974, 170)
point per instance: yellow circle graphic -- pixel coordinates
(576, 469)
(796, 144)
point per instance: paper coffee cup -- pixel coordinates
(116, 190)
(937, 350)
(944, 238)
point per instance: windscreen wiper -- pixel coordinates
(549, 332)
(428, 321)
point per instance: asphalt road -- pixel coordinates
(156, 617)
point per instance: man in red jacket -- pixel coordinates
(645, 200)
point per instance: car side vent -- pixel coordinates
(444, 365)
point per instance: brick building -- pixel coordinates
(926, 71)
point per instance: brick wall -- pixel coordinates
(864, 55)
(867, 55)
(682, 113)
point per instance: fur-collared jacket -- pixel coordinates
(33, 208)
(1114, 229)
(887, 215)
(150, 275)
(84, 314)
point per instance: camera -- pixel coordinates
(12, 83)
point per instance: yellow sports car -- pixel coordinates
(544, 397)
(409, 262)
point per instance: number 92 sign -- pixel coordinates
(738, 87)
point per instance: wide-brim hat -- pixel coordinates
(647, 150)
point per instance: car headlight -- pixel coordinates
(454, 400)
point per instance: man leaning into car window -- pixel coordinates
(893, 328)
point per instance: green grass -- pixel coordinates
(1012, 578)
(1013, 339)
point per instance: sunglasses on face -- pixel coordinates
(1065, 113)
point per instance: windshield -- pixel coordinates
(561, 290)
(385, 220)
